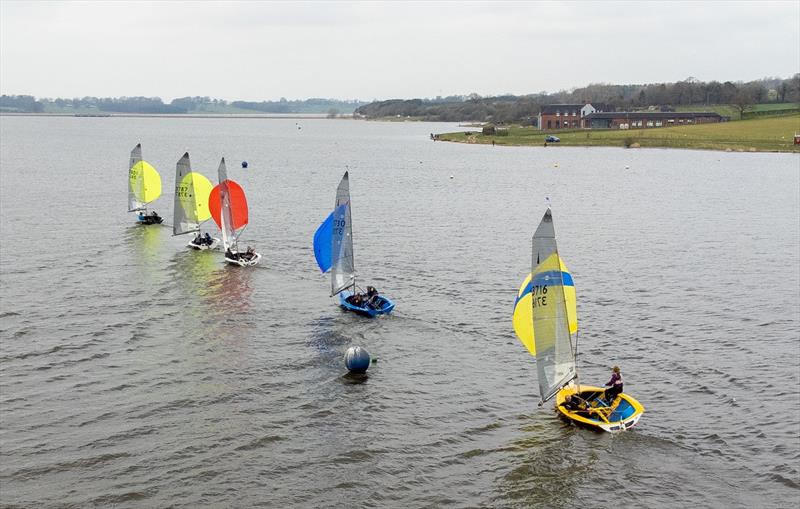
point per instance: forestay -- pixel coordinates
(343, 273)
(192, 191)
(555, 359)
(144, 182)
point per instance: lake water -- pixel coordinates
(134, 373)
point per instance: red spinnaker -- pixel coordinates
(238, 205)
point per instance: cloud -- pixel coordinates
(265, 50)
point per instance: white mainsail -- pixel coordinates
(343, 272)
(555, 358)
(228, 231)
(135, 180)
(185, 202)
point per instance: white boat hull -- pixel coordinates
(244, 263)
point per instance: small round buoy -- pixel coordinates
(555, 165)
(356, 359)
(627, 167)
(244, 164)
(451, 177)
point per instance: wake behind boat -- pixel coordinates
(333, 250)
(228, 205)
(546, 321)
(144, 186)
(190, 210)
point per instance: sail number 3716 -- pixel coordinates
(539, 294)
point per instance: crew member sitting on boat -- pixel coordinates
(356, 299)
(197, 240)
(614, 385)
(208, 240)
(371, 298)
(574, 403)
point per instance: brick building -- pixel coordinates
(564, 116)
(645, 119)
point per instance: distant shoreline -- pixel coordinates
(765, 134)
(296, 116)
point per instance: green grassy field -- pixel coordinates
(769, 134)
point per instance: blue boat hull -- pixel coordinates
(384, 306)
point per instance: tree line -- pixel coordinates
(151, 105)
(523, 109)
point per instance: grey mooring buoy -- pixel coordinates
(357, 359)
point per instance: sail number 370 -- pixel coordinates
(539, 294)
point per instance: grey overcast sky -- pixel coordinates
(380, 50)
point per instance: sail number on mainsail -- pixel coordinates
(539, 294)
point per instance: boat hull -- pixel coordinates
(204, 247)
(244, 263)
(385, 306)
(148, 220)
(625, 414)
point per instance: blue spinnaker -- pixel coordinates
(323, 244)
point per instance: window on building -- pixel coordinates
(649, 123)
(549, 124)
(574, 114)
(688, 120)
(558, 113)
(659, 123)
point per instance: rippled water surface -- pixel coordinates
(134, 373)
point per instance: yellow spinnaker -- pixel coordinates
(196, 206)
(145, 182)
(523, 309)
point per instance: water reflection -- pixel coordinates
(230, 289)
(145, 242)
(354, 378)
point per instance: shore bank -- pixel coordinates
(771, 134)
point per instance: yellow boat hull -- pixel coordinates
(624, 412)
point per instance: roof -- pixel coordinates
(550, 109)
(651, 114)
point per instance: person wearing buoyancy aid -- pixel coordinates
(614, 385)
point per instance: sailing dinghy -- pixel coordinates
(546, 322)
(228, 205)
(333, 249)
(190, 209)
(144, 186)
